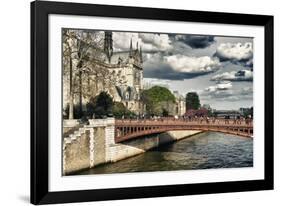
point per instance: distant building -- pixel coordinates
(147, 85)
(180, 107)
(229, 114)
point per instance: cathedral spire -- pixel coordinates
(141, 55)
(131, 48)
(108, 48)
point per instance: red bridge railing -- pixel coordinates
(130, 129)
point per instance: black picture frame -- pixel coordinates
(40, 111)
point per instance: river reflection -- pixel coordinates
(202, 151)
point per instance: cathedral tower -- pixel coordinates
(108, 48)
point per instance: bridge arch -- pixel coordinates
(128, 129)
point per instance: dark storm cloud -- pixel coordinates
(242, 62)
(194, 41)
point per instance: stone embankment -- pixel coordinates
(94, 144)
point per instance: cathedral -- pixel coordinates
(119, 73)
(128, 70)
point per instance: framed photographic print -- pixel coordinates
(133, 102)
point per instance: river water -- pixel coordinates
(201, 151)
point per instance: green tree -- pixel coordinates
(192, 101)
(158, 100)
(248, 112)
(100, 105)
(119, 110)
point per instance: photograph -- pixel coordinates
(132, 102)
(152, 102)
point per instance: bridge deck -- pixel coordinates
(129, 129)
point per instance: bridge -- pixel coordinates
(130, 129)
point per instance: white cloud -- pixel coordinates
(182, 63)
(121, 40)
(219, 86)
(155, 41)
(221, 90)
(215, 93)
(235, 51)
(224, 91)
(148, 42)
(241, 75)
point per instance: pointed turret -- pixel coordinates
(131, 49)
(141, 55)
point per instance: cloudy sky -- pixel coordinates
(218, 68)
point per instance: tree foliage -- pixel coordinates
(103, 105)
(159, 94)
(192, 101)
(100, 106)
(158, 101)
(248, 112)
(119, 111)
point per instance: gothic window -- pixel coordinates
(127, 96)
(137, 77)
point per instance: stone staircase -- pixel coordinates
(71, 130)
(83, 148)
(70, 162)
(74, 134)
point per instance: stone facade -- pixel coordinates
(180, 107)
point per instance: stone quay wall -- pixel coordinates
(94, 144)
